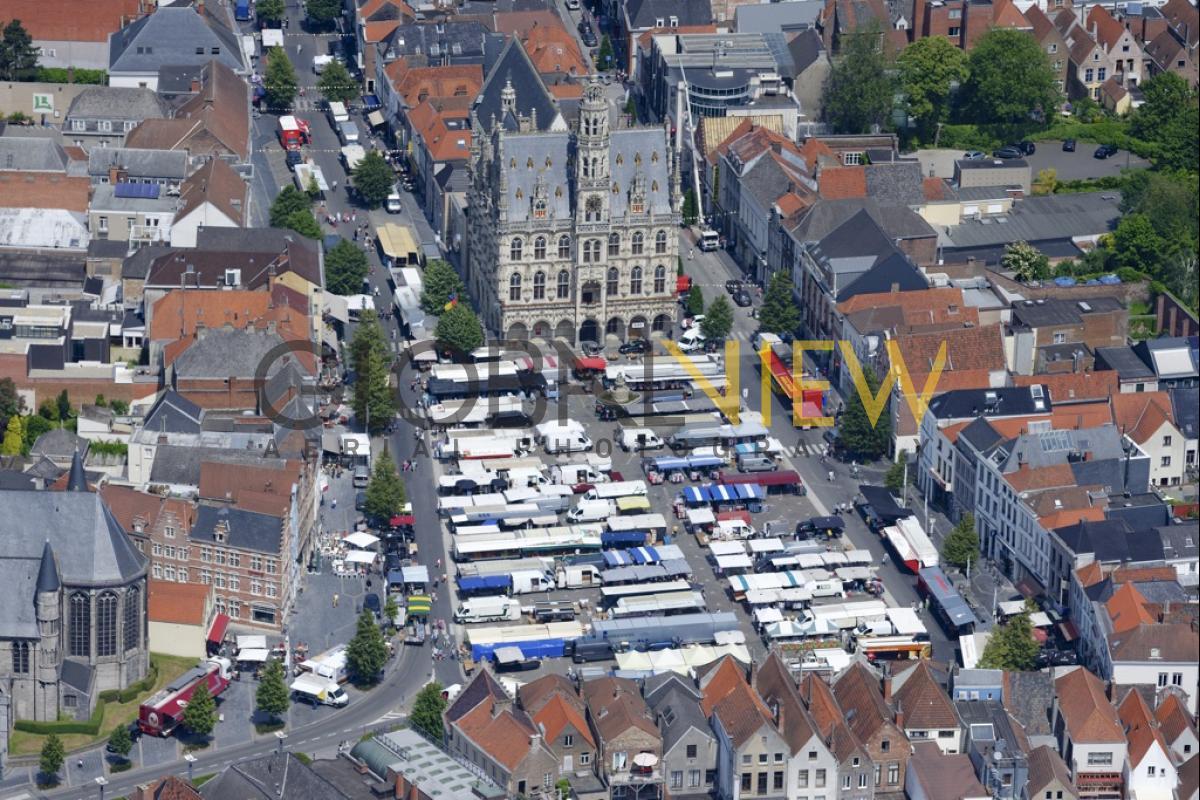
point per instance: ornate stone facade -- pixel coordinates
(573, 234)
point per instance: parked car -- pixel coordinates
(1068, 145)
(634, 346)
(974, 155)
(360, 501)
(1027, 147)
(742, 298)
(294, 157)
(591, 348)
(587, 34)
(733, 286)
(371, 603)
(1008, 152)
(1105, 151)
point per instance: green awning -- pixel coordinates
(419, 604)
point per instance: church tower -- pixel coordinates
(49, 622)
(591, 153)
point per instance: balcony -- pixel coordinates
(635, 776)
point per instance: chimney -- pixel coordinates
(114, 174)
(195, 86)
(899, 717)
(887, 690)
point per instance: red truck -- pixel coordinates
(293, 132)
(160, 714)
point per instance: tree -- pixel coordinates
(1009, 81)
(858, 92)
(390, 609)
(367, 651)
(930, 69)
(385, 491)
(894, 479)
(779, 314)
(718, 320)
(13, 437)
(35, 425)
(48, 410)
(323, 12)
(1011, 646)
(304, 223)
(52, 757)
(1137, 245)
(11, 403)
(373, 179)
(271, 697)
(64, 405)
(312, 188)
(604, 56)
(962, 543)
(427, 710)
(279, 81)
(288, 202)
(200, 715)
(374, 402)
(18, 56)
(691, 210)
(345, 268)
(336, 85)
(1025, 261)
(441, 284)
(856, 433)
(120, 742)
(1168, 116)
(1046, 182)
(459, 330)
(695, 301)
(270, 11)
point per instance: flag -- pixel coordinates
(452, 302)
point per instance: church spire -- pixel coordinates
(77, 480)
(47, 579)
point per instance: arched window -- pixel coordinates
(514, 287)
(564, 285)
(592, 209)
(660, 242)
(660, 279)
(80, 620)
(106, 625)
(614, 244)
(564, 247)
(636, 243)
(635, 281)
(614, 278)
(20, 653)
(133, 608)
(514, 250)
(591, 251)
(539, 286)
(539, 248)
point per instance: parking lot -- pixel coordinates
(1081, 164)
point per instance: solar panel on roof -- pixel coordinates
(137, 191)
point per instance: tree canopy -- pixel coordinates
(1026, 261)
(120, 742)
(367, 652)
(1009, 81)
(270, 11)
(271, 697)
(385, 491)
(858, 92)
(373, 179)
(1011, 646)
(304, 223)
(779, 314)
(287, 202)
(323, 12)
(441, 283)
(459, 330)
(52, 756)
(695, 301)
(279, 81)
(856, 433)
(930, 68)
(200, 715)
(345, 268)
(961, 546)
(18, 56)
(336, 84)
(1170, 116)
(371, 357)
(427, 710)
(718, 320)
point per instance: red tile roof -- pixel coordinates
(842, 183)
(1140, 414)
(44, 190)
(1108, 30)
(557, 715)
(416, 84)
(1141, 729)
(923, 702)
(1127, 609)
(1173, 717)
(1073, 387)
(1089, 716)
(70, 20)
(178, 603)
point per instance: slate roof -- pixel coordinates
(58, 444)
(891, 272)
(171, 35)
(1185, 404)
(1173, 642)
(32, 154)
(972, 403)
(179, 465)
(774, 17)
(258, 779)
(615, 705)
(247, 530)
(898, 222)
(532, 99)
(226, 354)
(896, 183)
(173, 413)
(76, 674)
(1045, 767)
(643, 14)
(116, 103)
(676, 707)
(1111, 540)
(1042, 219)
(1029, 696)
(19, 576)
(1124, 361)
(857, 691)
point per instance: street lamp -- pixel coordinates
(282, 737)
(102, 782)
(191, 762)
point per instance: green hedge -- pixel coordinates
(60, 75)
(130, 692)
(90, 728)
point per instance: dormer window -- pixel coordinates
(539, 209)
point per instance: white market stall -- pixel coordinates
(361, 539)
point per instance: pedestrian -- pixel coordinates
(335, 600)
(830, 479)
(335, 499)
(335, 186)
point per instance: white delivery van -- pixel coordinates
(691, 340)
(337, 113)
(488, 609)
(615, 489)
(709, 240)
(349, 133)
(633, 438)
(317, 690)
(577, 473)
(393, 205)
(591, 511)
(567, 443)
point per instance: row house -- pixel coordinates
(855, 773)
(629, 744)
(752, 755)
(1049, 778)
(1089, 64)
(880, 730)
(1148, 419)
(1175, 49)
(374, 22)
(934, 775)
(689, 744)
(1168, 362)
(555, 707)
(1178, 727)
(1056, 335)
(1053, 44)
(1149, 767)
(1089, 735)
(963, 22)
(996, 751)
(1119, 43)
(923, 708)
(810, 752)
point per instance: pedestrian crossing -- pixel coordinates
(391, 716)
